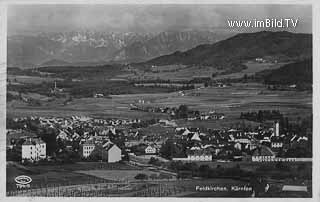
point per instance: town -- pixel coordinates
(39, 138)
(176, 106)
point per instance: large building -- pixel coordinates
(33, 149)
(199, 155)
(113, 151)
(87, 148)
(263, 154)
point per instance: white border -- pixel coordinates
(316, 93)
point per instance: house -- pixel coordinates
(186, 132)
(195, 137)
(98, 95)
(263, 154)
(276, 144)
(33, 149)
(113, 151)
(150, 149)
(199, 155)
(214, 115)
(238, 146)
(87, 148)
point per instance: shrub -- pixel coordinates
(141, 176)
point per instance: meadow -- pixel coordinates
(116, 175)
(252, 68)
(232, 100)
(62, 175)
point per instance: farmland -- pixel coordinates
(229, 100)
(116, 175)
(61, 175)
(252, 68)
(23, 79)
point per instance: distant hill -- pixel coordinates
(295, 73)
(55, 62)
(232, 52)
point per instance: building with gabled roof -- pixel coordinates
(196, 137)
(87, 148)
(263, 153)
(33, 149)
(113, 152)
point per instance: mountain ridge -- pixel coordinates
(241, 47)
(90, 46)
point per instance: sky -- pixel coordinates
(146, 18)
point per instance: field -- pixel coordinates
(252, 68)
(232, 100)
(171, 72)
(116, 175)
(183, 72)
(61, 175)
(229, 100)
(23, 79)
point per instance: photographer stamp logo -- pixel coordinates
(23, 181)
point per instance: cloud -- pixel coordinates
(144, 18)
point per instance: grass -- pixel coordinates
(60, 175)
(252, 68)
(172, 72)
(23, 79)
(116, 175)
(251, 166)
(230, 100)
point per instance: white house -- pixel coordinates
(263, 154)
(150, 150)
(33, 149)
(276, 144)
(87, 148)
(114, 152)
(199, 155)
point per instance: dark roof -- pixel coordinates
(109, 145)
(199, 152)
(33, 141)
(263, 151)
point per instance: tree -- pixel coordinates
(204, 170)
(245, 78)
(170, 149)
(141, 176)
(99, 153)
(153, 176)
(164, 176)
(182, 111)
(48, 135)
(154, 161)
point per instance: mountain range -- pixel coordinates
(91, 47)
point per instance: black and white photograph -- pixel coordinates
(159, 100)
